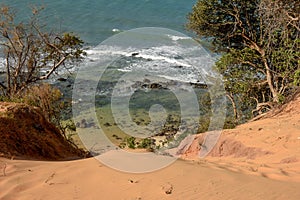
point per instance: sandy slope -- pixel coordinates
(88, 179)
(269, 147)
(257, 160)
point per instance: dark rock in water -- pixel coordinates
(117, 137)
(178, 66)
(107, 124)
(134, 54)
(155, 86)
(83, 121)
(81, 124)
(152, 86)
(199, 85)
(178, 57)
(62, 79)
(145, 86)
(84, 124)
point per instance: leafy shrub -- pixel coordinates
(131, 142)
(146, 143)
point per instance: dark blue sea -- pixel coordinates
(96, 20)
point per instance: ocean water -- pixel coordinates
(96, 20)
(125, 60)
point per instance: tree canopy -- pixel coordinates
(259, 45)
(33, 53)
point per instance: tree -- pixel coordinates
(281, 23)
(31, 53)
(260, 57)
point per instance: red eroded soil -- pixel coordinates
(25, 133)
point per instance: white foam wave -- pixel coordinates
(116, 30)
(183, 79)
(176, 38)
(163, 58)
(106, 50)
(125, 70)
(155, 53)
(184, 64)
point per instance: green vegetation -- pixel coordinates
(134, 143)
(259, 46)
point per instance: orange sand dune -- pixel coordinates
(268, 147)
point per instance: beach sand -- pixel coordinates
(89, 179)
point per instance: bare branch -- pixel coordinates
(53, 69)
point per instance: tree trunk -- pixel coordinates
(8, 78)
(235, 112)
(270, 80)
(261, 51)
